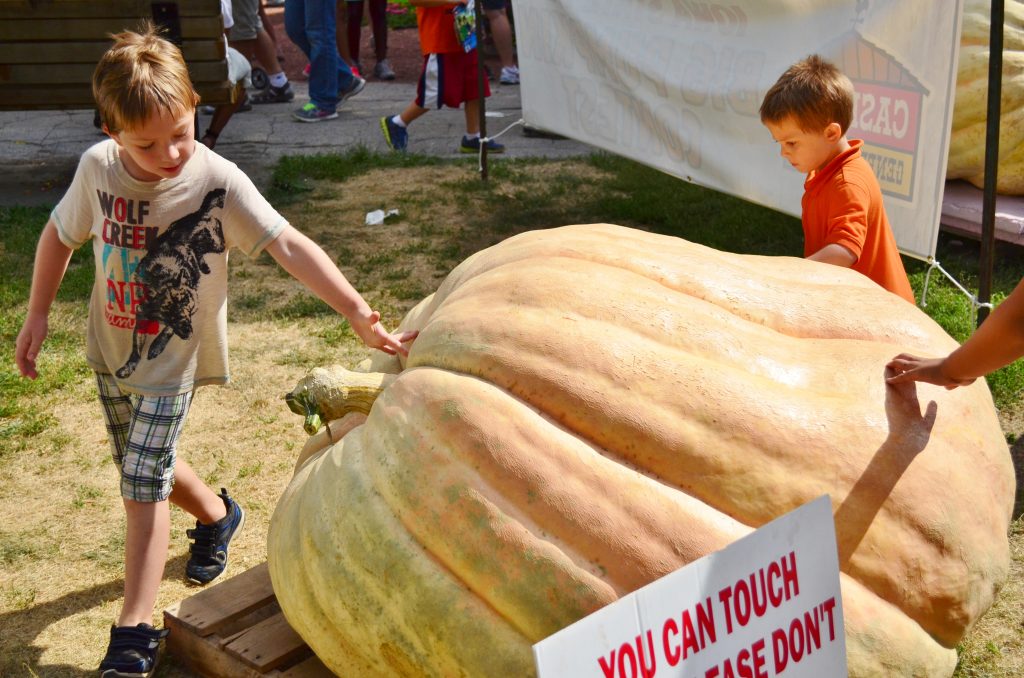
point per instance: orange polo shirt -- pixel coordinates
(437, 30)
(842, 205)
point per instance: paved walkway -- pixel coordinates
(40, 149)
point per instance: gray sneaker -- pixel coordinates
(274, 95)
(383, 70)
(509, 75)
(355, 88)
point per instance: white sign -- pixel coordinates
(677, 85)
(767, 605)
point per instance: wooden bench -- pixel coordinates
(49, 48)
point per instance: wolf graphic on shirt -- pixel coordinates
(170, 272)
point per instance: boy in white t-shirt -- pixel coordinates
(162, 212)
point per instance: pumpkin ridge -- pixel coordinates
(717, 328)
(455, 499)
(835, 309)
(375, 589)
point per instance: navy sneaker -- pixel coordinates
(396, 135)
(132, 652)
(355, 88)
(313, 113)
(473, 146)
(209, 549)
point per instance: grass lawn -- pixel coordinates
(61, 536)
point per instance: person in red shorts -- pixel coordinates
(449, 78)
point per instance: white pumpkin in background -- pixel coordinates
(967, 140)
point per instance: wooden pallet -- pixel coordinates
(235, 629)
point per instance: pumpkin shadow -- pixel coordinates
(909, 432)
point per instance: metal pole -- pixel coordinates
(988, 205)
(478, 10)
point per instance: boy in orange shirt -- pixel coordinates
(808, 111)
(449, 78)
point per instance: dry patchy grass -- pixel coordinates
(61, 538)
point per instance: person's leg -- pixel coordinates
(354, 19)
(268, 26)
(412, 112)
(145, 554)
(145, 432)
(379, 19)
(501, 31)
(471, 96)
(330, 79)
(472, 110)
(341, 31)
(279, 90)
(295, 24)
(394, 127)
(379, 23)
(132, 649)
(239, 72)
(195, 497)
(266, 53)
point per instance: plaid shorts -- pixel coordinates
(144, 434)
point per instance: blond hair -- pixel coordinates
(142, 74)
(814, 92)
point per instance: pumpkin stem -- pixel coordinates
(329, 393)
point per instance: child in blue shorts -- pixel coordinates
(161, 212)
(449, 78)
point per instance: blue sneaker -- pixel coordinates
(209, 549)
(313, 113)
(396, 135)
(355, 88)
(473, 146)
(132, 652)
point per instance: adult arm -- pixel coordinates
(997, 343)
(310, 265)
(51, 262)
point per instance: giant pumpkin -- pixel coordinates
(589, 408)
(967, 140)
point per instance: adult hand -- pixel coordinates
(909, 367)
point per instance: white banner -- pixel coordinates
(676, 84)
(765, 605)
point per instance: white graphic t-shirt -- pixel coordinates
(158, 312)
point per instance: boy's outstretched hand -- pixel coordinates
(912, 368)
(375, 336)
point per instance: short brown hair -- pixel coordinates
(814, 92)
(140, 75)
